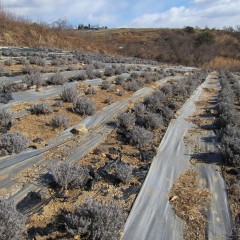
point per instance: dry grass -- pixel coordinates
(190, 202)
(15, 32)
(224, 63)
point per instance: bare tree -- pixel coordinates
(61, 24)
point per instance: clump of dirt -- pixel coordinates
(190, 202)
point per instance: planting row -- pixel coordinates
(229, 133)
(228, 121)
(118, 168)
(70, 100)
(15, 142)
(34, 80)
(45, 62)
(85, 57)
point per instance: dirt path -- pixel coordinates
(152, 216)
(207, 161)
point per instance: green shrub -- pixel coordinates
(189, 29)
(205, 37)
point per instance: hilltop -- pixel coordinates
(204, 48)
(194, 47)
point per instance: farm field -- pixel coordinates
(96, 147)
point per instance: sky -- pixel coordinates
(131, 13)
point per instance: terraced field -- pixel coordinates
(97, 147)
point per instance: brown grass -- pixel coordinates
(224, 63)
(190, 202)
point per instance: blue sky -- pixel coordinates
(131, 13)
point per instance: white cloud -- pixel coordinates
(200, 1)
(102, 19)
(212, 1)
(101, 11)
(212, 14)
(146, 13)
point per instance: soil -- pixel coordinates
(204, 115)
(38, 126)
(190, 202)
(19, 107)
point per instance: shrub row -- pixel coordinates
(81, 105)
(156, 110)
(56, 79)
(92, 219)
(37, 60)
(60, 121)
(69, 94)
(228, 120)
(34, 78)
(114, 70)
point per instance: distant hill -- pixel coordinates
(188, 46)
(208, 48)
